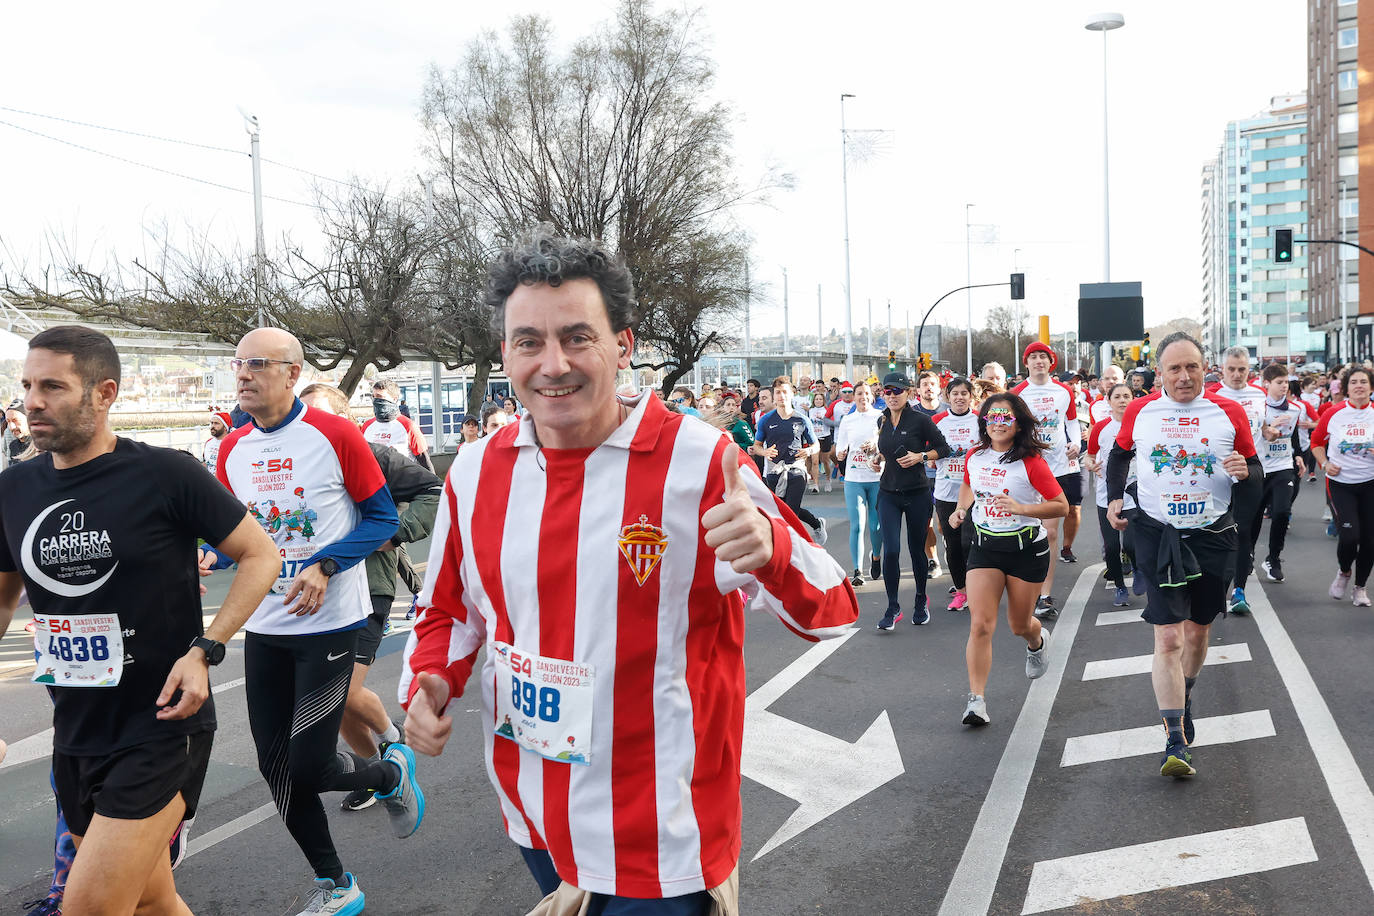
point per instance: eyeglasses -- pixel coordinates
(1000, 418)
(256, 363)
(679, 400)
(894, 391)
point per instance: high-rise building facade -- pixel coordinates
(1256, 184)
(1341, 106)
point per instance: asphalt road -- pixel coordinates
(878, 800)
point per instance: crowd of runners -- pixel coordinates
(567, 519)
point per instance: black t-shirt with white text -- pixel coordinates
(116, 535)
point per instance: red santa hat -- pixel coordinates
(1036, 346)
(224, 418)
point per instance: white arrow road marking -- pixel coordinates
(1080, 880)
(821, 772)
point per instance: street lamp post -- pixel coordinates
(250, 124)
(844, 180)
(1016, 316)
(1104, 23)
(1344, 349)
(968, 267)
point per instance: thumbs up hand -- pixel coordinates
(427, 728)
(739, 533)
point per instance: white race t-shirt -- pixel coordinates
(1347, 434)
(1251, 400)
(1179, 448)
(857, 428)
(1056, 420)
(961, 432)
(1028, 481)
(1100, 441)
(1278, 455)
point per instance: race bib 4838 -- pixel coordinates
(79, 651)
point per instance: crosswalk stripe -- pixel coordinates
(1108, 618)
(1111, 873)
(1141, 664)
(1137, 742)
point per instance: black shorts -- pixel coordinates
(1072, 485)
(1202, 598)
(1030, 564)
(826, 444)
(370, 635)
(132, 783)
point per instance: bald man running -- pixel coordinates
(308, 477)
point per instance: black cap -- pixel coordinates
(470, 419)
(18, 405)
(896, 380)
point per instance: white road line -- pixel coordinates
(1137, 742)
(1079, 880)
(1140, 664)
(1108, 618)
(234, 827)
(1349, 790)
(975, 880)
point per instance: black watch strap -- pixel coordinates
(329, 566)
(214, 651)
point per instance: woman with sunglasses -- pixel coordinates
(1008, 490)
(685, 402)
(959, 426)
(907, 439)
(1115, 544)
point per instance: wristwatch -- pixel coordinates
(329, 566)
(214, 651)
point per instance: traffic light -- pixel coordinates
(1018, 286)
(891, 360)
(1145, 347)
(1135, 354)
(1283, 246)
(926, 361)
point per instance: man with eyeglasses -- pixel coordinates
(311, 481)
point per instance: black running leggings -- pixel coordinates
(296, 689)
(914, 506)
(1352, 507)
(792, 497)
(957, 541)
(1114, 543)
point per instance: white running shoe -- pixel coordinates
(1339, 585)
(1360, 597)
(827, 484)
(976, 712)
(1038, 660)
(815, 488)
(328, 899)
(821, 534)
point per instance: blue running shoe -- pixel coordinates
(330, 899)
(1177, 762)
(1239, 606)
(405, 803)
(48, 906)
(920, 613)
(1120, 599)
(1330, 529)
(890, 618)
(410, 613)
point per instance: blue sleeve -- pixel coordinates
(222, 560)
(378, 523)
(810, 430)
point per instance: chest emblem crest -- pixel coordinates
(642, 545)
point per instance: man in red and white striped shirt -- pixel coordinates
(603, 552)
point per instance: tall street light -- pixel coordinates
(968, 267)
(1104, 23)
(844, 179)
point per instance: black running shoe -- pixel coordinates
(1067, 555)
(920, 613)
(1188, 722)
(890, 619)
(875, 568)
(856, 580)
(358, 799)
(1273, 568)
(1045, 609)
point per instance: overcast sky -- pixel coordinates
(998, 104)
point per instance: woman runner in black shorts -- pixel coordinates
(1008, 489)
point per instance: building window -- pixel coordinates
(1350, 206)
(1242, 223)
(1347, 38)
(1243, 169)
(1245, 278)
(1345, 79)
(1243, 259)
(1242, 243)
(1347, 122)
(1348, 165)
(1244, 297)
(1242, 189)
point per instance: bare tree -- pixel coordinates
(613, 140)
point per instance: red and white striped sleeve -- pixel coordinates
(448, 631)
(802, 585)
(418, 446)
(1094, 435)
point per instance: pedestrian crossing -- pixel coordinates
(1095, 875)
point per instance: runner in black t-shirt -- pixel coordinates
(102, 531)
